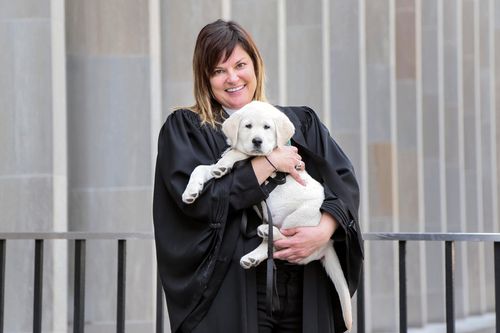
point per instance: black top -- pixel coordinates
(199, 245)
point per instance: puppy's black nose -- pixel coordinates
(257, 142)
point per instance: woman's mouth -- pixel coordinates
(235, 89)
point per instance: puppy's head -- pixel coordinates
(257, 129)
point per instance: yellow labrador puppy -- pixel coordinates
(256, 130)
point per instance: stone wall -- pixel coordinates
(408, 88)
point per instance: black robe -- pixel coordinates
(199, 245)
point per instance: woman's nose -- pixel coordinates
(232, 76)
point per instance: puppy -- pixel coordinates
(256, 130)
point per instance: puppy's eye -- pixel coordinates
(267, 127)
(248, 126)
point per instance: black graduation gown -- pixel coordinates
(199, 245)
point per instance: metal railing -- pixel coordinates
(80, 239)
(449, 239)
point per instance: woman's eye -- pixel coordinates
(240, 65)
(248, 126)
(218, 71)
(267, 127)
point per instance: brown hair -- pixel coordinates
(215, 41)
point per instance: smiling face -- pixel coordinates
(233, 82)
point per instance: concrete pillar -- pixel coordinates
(342, 98)
(472, 150)
(345, 89)
(453, 106)
(433, 135)
(487, 131)
(382, 170)
(410, 148)
(109, 118)
(304, 84)
(180, 24)
(33, 174)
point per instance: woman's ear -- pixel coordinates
(284, 129)
(230, 128)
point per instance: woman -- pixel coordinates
(199, 245)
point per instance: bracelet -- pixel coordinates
(275, 168)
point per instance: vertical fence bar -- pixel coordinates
(79, 288)
(38, 287)
(497, 285)
(2, 281)
(450, 269)
(121, 280)
(159, 305)
(403, 310)
(361, 302)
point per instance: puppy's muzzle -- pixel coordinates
(257, 142)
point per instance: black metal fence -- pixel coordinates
(449, 239)
(121, 239)
(80, 239)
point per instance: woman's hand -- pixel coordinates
(301, 242)
(287, 159)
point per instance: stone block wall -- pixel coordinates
(407, 87)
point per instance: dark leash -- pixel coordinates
(267, 218)
(265, 214)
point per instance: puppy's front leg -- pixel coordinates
(226, 162)
(199, 176)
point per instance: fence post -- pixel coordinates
(38, 292)
(403, 323)
(361, 301)
(2, 281)
(450, 269)
(121, 281)
(497, 284)
(159, 305)
(79, 292)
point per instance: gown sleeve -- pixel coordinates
(341, 191)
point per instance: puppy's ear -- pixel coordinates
(284, 129)
(230, 128)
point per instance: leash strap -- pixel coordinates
(265, 213)
(270, 261)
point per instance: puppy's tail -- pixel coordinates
(333, 269)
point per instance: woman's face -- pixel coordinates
(233, 82)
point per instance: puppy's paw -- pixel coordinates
(192, 192)
(189, 198)
(219, 171)
(248, 262)
(263, 231)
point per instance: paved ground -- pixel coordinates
(476, 324)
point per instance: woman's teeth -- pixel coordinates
(235, 89)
